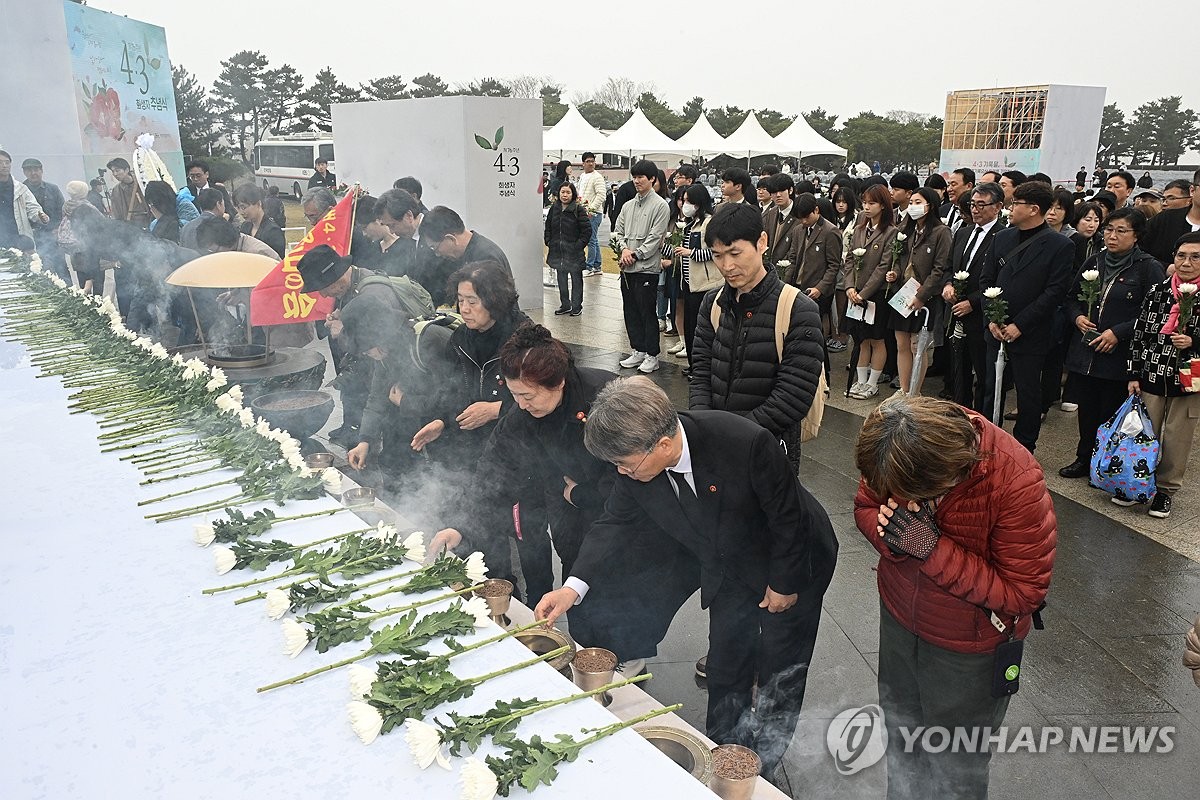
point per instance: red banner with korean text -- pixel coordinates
(279, 299)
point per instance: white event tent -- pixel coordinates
(801, 140)
(638, 135)
(572, 134)
(750, 140)
(701, 139)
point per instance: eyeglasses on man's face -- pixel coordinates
(1110, 230)
(982, 205)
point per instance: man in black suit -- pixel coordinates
(968, 364)
(1165, 228)
(1033, 266)
(779, 221)
(961, 180)
(718, 489)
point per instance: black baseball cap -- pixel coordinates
(31, 163)
(320, 267)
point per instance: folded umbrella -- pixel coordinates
(919, 359)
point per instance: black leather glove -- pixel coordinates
(913, 533)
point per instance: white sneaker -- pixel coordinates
(856, 391)
(869, 390)
(675, 348)
(682, 352)
(649, 364)
(662, 324)
(631, 668)
(1069, 407)
(634, 359)
(899, 393)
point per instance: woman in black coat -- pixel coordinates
(1098, 353)
(568, 231)
(538, 446)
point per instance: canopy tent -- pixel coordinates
(638, 135)
(573, 134)
(701, 139)
(801, 139)
(749, 140)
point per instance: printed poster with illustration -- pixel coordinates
(123, 87)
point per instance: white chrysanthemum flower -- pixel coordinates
(900, 237)
(425, 743)
(859, 251)
(383, 532)
(159, 352)
(278, 603)
(295, 638)
(478, 781)
(1006, 213)
(296, 462)
(414, 546)
(235, 392)
(365, 719)
(287, 445)
(35, 265)
(361, 680)
(246, 418)
(476, 568)
(177, 360)
(143, 343)
(992, 292)
(962, 275)
(1090, 274)
(203, 534)
(478, 608)
(226, 405)
(59, 282)
(224, 559)
(214, 384)
(332, 479)
(263, 429)
(1187, 288)
(785, 263)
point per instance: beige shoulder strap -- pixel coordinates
(783, 316)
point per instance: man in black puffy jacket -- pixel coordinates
(737, 366)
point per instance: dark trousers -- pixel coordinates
(691, 312)
(969, 364)
(1023, 373)
(920, 684)
(639, 296)
(574, 298)
(1052, 375)
(748, 644)
(1099, 399)
(533, 547)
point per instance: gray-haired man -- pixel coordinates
(715, 493)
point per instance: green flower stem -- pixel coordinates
(525, 712)
(177, 465)
(169, 463)
(522, 665)
(179, 513)
(286, 586)
(186, 491)
(133, 430)
(609, 730)
(390, 611)
(143, 443)
(371, 651)
(163, 454)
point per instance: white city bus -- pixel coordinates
(287, 162)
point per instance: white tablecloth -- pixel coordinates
(118, 678)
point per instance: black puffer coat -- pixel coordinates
(568, 231)
(1118, 309)
(737, 368)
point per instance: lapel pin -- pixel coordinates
(712, 489)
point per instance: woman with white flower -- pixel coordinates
(874, 234)
(1098, 353)
(697, 273)
(925, 256)
(1163, 348)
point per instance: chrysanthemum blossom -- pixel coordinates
(278, 603)
(478, 608)
(365, 719)
(361, 680)
(478, 781)
(425, 743)
(203, 534)
(295, 638)
(476, 568)
(224, 558)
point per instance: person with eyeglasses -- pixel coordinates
(1173, 221)
(968, 253)
(1032, 266)
(1162, 346)
(249, 202)
(1177, 194)
(715, 490)
(1097, 355)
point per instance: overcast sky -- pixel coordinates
(842, 56)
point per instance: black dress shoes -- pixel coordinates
(1076, 469)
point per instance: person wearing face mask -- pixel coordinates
(697, 274)
(924, 257)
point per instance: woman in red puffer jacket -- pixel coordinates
(965, 528)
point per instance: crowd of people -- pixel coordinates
(484, 421)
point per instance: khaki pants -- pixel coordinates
(1174, 420)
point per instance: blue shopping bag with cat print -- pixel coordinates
(1126, 453)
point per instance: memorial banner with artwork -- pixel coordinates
(123, 87)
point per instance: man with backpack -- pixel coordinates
(331, 275)
(758, 350)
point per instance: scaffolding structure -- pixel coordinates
(1010, 118)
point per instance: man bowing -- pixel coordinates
(716, 492)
